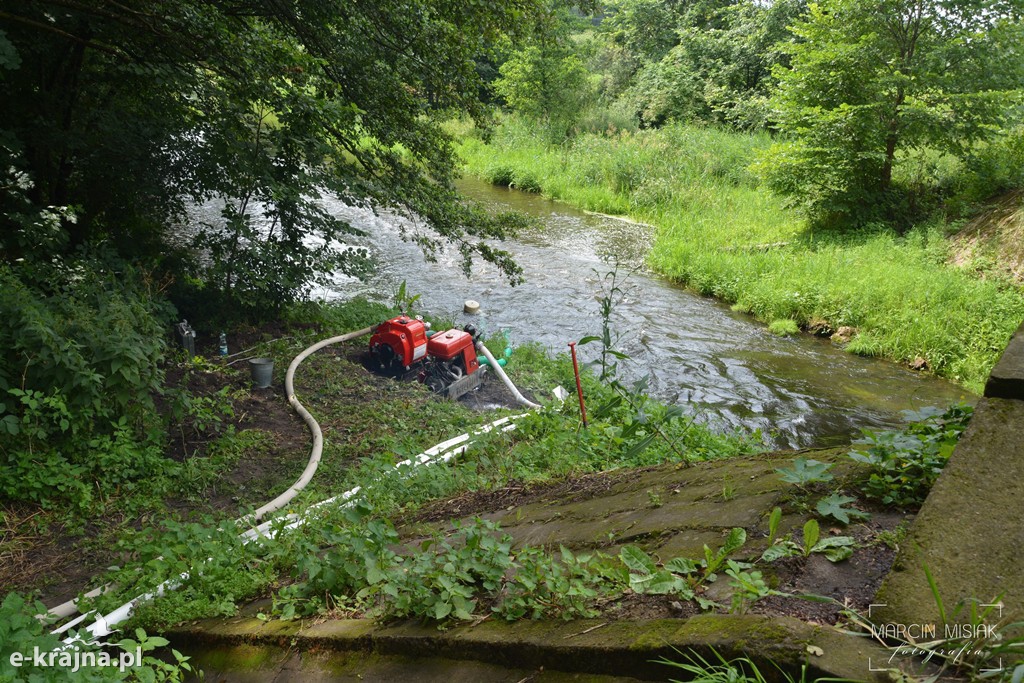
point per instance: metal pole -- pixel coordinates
(579, 387)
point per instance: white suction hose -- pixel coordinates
(504, 378)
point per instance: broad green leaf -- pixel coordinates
(779, 551)
(805, 471)
(637, 560)
(811, 534)
(839, 554)
(734, 541)
(681, 565)
(773, 524)
(835, 506)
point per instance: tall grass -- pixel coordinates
(723, 235)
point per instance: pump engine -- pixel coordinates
(444, 361)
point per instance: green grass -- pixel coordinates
(723, 235)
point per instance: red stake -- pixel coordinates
(579, 387)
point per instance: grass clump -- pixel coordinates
(783, 327)
(724, 235)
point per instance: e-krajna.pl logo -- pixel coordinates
(75, 660)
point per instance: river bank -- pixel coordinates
(720, 234)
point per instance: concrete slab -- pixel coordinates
(587, 650)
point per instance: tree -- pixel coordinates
(127, 110)
(872, 79)
(721, 67)
(546, 80)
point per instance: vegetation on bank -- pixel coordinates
(722, 233)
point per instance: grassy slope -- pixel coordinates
(722, 235)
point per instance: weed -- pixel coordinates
(738, 670)
(446, 579)
(805, 471)
(893, 538)
(748, 586)
(679, 576)
(783, 327)
(835, 548)
(905, 464)
(835, 506)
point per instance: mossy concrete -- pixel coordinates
(970, 531)
(586, 650)
(674, 510)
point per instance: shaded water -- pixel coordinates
(799, 391)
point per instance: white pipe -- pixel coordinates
(504, 378)
(103, 624)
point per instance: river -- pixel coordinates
(725, 366)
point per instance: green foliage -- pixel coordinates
(128, 115)
(718, 669)
(547, 83)
(82, 329)
(805, 471)
(719, 68)
(646, 577)
(905, 464)
(78, 377)
(460, 577)
(748, 587)
(209, 561)
(835, 506)
(774, 519)
(835, 548)
(680, 576)
(783, 327)
(612, 295)
(871, 79)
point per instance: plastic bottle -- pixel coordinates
(223, 344)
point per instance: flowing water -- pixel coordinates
(798, 391)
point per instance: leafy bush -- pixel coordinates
(95, 339)
(80, 368)
(905, 464)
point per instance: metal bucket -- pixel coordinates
(261, 370)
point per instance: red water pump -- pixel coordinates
(446, 361)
